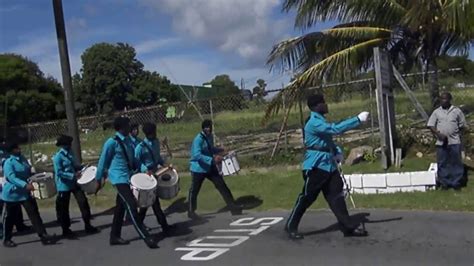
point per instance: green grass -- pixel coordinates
(278, 187)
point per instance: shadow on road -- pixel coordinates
(359, 218)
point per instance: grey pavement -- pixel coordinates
(396, 238)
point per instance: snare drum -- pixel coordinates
(168, 183)
(144, 189)
(44, 185)
(87, 181)
(230, 165)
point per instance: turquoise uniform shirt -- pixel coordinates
(202, 152)
(135, 141)
(65, 167)
(17, 170)
(318, 133)
(113, 160)
(147, 155)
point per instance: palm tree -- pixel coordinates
(415, 32)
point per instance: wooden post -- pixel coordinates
(385, 105)
(283, 127)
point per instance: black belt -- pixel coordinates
(322, 149)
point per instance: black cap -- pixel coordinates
(10, 146)
(121, 122)
(64, 140)
(315, 99)
(206, 123)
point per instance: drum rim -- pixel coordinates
(153, 180)
(81, 182)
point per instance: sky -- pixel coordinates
(189, 41)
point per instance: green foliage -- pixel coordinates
(30, 96)
(414, 33)
(112, 78)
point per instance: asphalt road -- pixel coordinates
(396, 238)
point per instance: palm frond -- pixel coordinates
(311, 11)
(353, 58)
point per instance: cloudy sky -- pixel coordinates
(190, 41)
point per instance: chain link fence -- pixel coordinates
(238, 120)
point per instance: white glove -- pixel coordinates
(338, 158)
(363, 116)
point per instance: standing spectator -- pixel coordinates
(447, 123)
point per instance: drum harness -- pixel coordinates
(124, 151)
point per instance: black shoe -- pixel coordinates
(67, 233)
(91, 229)
(118, 241)
(9, 244)
(23, 228)
(151, 242)
(358, 232)
(294, 235)
(194, 216)
(48, 240)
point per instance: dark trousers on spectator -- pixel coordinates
(450, 165)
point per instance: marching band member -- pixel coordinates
(118, 158)
(17, 193)
(147, 154)
(66, 172)
(203, 164)
(134, 136)
(320, 168)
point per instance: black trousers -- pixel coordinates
(126, 202)
(332, 186)
(13, 212)
(18, 222)
(160, 216)
(218, 182)
(62, 207)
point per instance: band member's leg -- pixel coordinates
(83, 205)
(32, 210)
(130, 205)
(160, 216)
(20, 224)
(222, 187)
(142, 214)
(197, 179)
(334, 195)
(11, 213)
(117, 222)
(313, 183)
(62, 210)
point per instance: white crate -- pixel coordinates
(370, 191)
(433, 167)
(424, 178)
(356, 180)
(414, 189)
(398, 179)
(358, 190)
(374, 181)
(389, 190)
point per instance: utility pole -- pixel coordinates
(66, 74)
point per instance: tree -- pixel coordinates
(259, 90)
(112, 78)
(224, 86)
(29, 95)
(414, 32)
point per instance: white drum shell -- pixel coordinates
(168, 189)
(230, 164)
(87, 181)
(145, 196)
(44, 185)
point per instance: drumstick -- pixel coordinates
(165, 143)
